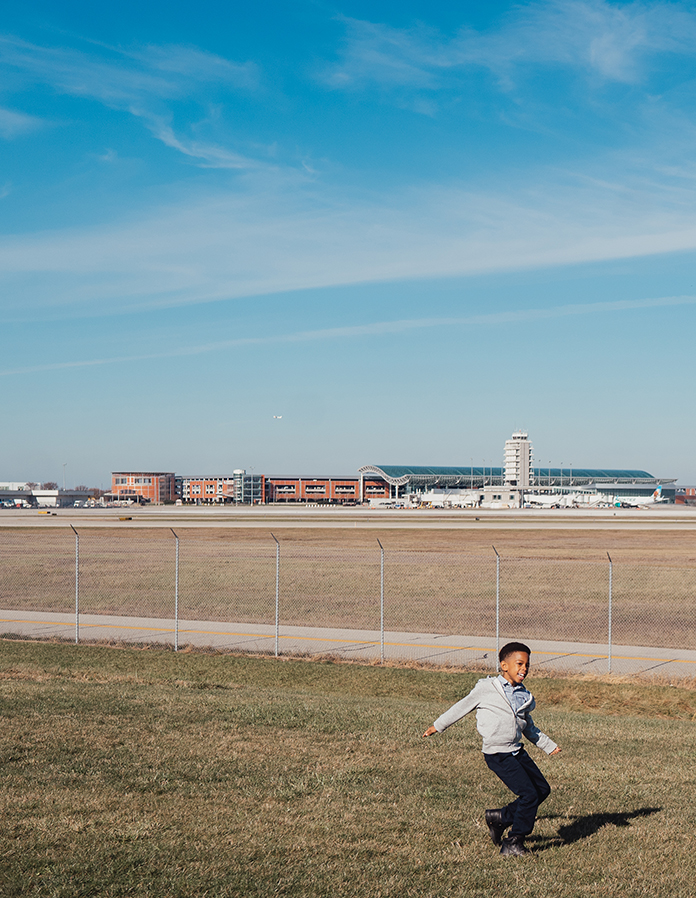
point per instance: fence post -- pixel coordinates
(77, 585)
(611, 577)
(381, 603)
(277, 595)
(176, 595)
(497, 604)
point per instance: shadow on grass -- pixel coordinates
(587, 825)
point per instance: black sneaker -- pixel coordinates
(496, 828)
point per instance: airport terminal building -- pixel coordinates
(490, 483)
(517, 483)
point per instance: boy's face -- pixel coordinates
(515, 667)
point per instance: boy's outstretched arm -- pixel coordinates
(556, 750)
(460, 709)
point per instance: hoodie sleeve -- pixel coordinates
(534, 734)
(463, 707)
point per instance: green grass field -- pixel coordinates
(141, 772)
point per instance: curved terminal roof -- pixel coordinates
(399, 475)
(595, 474)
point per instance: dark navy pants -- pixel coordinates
(522, 776)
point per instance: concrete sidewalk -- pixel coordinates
(431, 648)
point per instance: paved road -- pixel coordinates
(360, 644)
(666, 517)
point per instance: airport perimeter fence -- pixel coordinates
(280, 596)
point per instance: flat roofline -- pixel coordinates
(312, 477)
(140, 473)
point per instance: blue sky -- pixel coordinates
(407, 231)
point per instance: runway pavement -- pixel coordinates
(432, 648)
(663, 517)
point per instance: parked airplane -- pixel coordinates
(592, 500)
(597, 500)
(542, 501)
(639, 501)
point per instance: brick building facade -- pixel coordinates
(153, 487)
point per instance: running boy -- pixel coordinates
(503, 707)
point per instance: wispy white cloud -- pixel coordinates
(374, 329)
(143, 83)
(281, 236)
(389, 56)
(281, 231)
(212, 155)
(117, 81)
(196, 64)
(14, 124)
(124, 76)
(612, 41)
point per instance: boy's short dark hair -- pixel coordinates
(511, 648)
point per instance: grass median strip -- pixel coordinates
(140, 772)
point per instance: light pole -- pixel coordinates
(64, 466)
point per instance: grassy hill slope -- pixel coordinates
(141, 772)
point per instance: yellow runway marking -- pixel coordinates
(411, 645)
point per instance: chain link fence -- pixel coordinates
(206, 587)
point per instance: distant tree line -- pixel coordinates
(52, 485)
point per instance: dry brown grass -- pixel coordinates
(150, 774)
(655, 546)
(554, 583)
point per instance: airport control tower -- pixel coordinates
(518, 461)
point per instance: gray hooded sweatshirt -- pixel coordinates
(501, 728)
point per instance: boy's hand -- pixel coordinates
(430, 731)
(556, 750)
